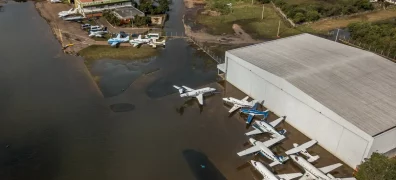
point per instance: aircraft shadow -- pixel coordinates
(201, 166)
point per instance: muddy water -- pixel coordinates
(178, 63)
(55, 123)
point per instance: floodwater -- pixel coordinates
(178, 63)
(56, 124)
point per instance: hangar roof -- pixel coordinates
(358, 85)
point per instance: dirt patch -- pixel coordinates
(66, 32)
(192, 3)
(211, 13)
(201, 35)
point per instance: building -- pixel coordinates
(125, 14)
(90, 8)
(343, 97)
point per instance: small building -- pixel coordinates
(90, 8)
(125, 14)
(341, 96)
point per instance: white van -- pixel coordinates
(95, 28)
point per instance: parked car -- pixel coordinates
(85, 26)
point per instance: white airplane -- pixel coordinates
(303, 150)
(268, 175)
(312, 173)
(55, 1)
(239, 103)
(139, 40)
(98, 33)
(197, 93)
(263, 126)
(263, 148)
(66, 13)
(154, 43)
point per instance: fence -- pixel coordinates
(388, 53)
(218, 59)
(279, 10)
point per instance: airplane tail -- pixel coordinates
(181, 90)
(313, 158)
(282, 132)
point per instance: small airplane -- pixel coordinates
(268, 175)
(253, 111)
(311, 172)
(263, 148)
(66, 13)
(239, 103)
(99, 33)
(139, 41)
(121, 38)
(55, 1)
(154, 43)
(197, 93)
(303, 150)
(262, 127)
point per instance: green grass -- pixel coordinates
(249, 18)
(95, 52)
(104, 38)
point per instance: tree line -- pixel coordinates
(377, 167)
(136, 21)
(315, 10)
(381, 35)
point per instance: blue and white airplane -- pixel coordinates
(253, 112)
(121, 38)
(263, 126)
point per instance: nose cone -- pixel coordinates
(226, 99)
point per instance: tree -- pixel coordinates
(377, 167)
(312, 15)
(299, 18)
(141, 21)
(163, 6)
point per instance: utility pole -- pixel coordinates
(277, 35)
(252, 2)
(262, 13)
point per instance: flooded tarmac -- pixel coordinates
(56, 124)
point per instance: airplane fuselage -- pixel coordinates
(267, 174)
(312, 170)
(267, 127)
(254, 112)
(237, 101)
(198, 92)
(264, 150)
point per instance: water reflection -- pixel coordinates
(201, 166)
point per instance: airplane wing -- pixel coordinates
(245, 99)
(235, 107)
(289, 176)
(114, 44)
(249, 119)
(187, 88)
(272, 141)
(301, 147)
(257, 130)
(327, 169)
(200, 99)
(250, 150)
(276, 122)
(136, 44)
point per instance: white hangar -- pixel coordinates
(341, 96)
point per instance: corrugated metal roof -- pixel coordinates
(357, 85)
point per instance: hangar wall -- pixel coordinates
(279, 97)
(384, 142)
